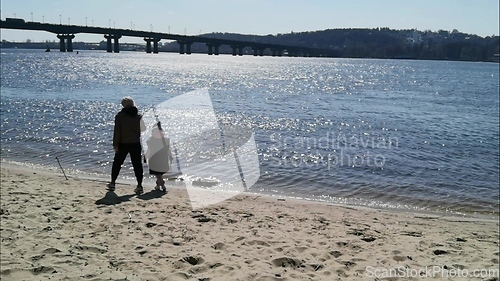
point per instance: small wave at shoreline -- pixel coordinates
(320, 199)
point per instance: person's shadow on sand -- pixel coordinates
(151, 194)
(111, 198)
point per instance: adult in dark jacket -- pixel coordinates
(127, 139)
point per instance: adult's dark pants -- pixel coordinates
(124, 149)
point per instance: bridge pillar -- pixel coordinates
(148, 45)
(186, 44)
(116, 44)
(276, 52)
(181, 48)
(258, 51)
(213, 48)
(69, 44)
(155, 45)
(110, 46)
(62, 42)
(62, 45)
(210, 48)
(237, 50)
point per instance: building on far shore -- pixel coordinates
(415, 37)
(495, 58)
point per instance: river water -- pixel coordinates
(413, 135)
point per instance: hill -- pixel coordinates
(378, 43)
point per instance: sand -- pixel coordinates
(58, 229)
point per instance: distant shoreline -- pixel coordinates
(136, 47)
(376, 43)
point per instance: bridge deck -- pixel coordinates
(74, 29)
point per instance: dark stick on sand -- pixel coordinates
(61, 168)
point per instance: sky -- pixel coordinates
(259, 17)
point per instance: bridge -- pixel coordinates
(66, 34)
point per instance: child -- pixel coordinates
(160, 157)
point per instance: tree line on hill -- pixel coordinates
(385, 43)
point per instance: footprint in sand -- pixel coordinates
(336, 254)
(347, 245)
(25, 273)
(301, 249)
(92, 249)
(341, 273)
(459, 266)
(37, 257)
(192, 260)
(440, 252)
(258, 243)
(348, 264)
(286, 262)
(399, 258)
(219, 246)
(43, 270)
(51, 251)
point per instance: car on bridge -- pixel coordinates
(15, 20)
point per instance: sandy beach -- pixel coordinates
(58, 229)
